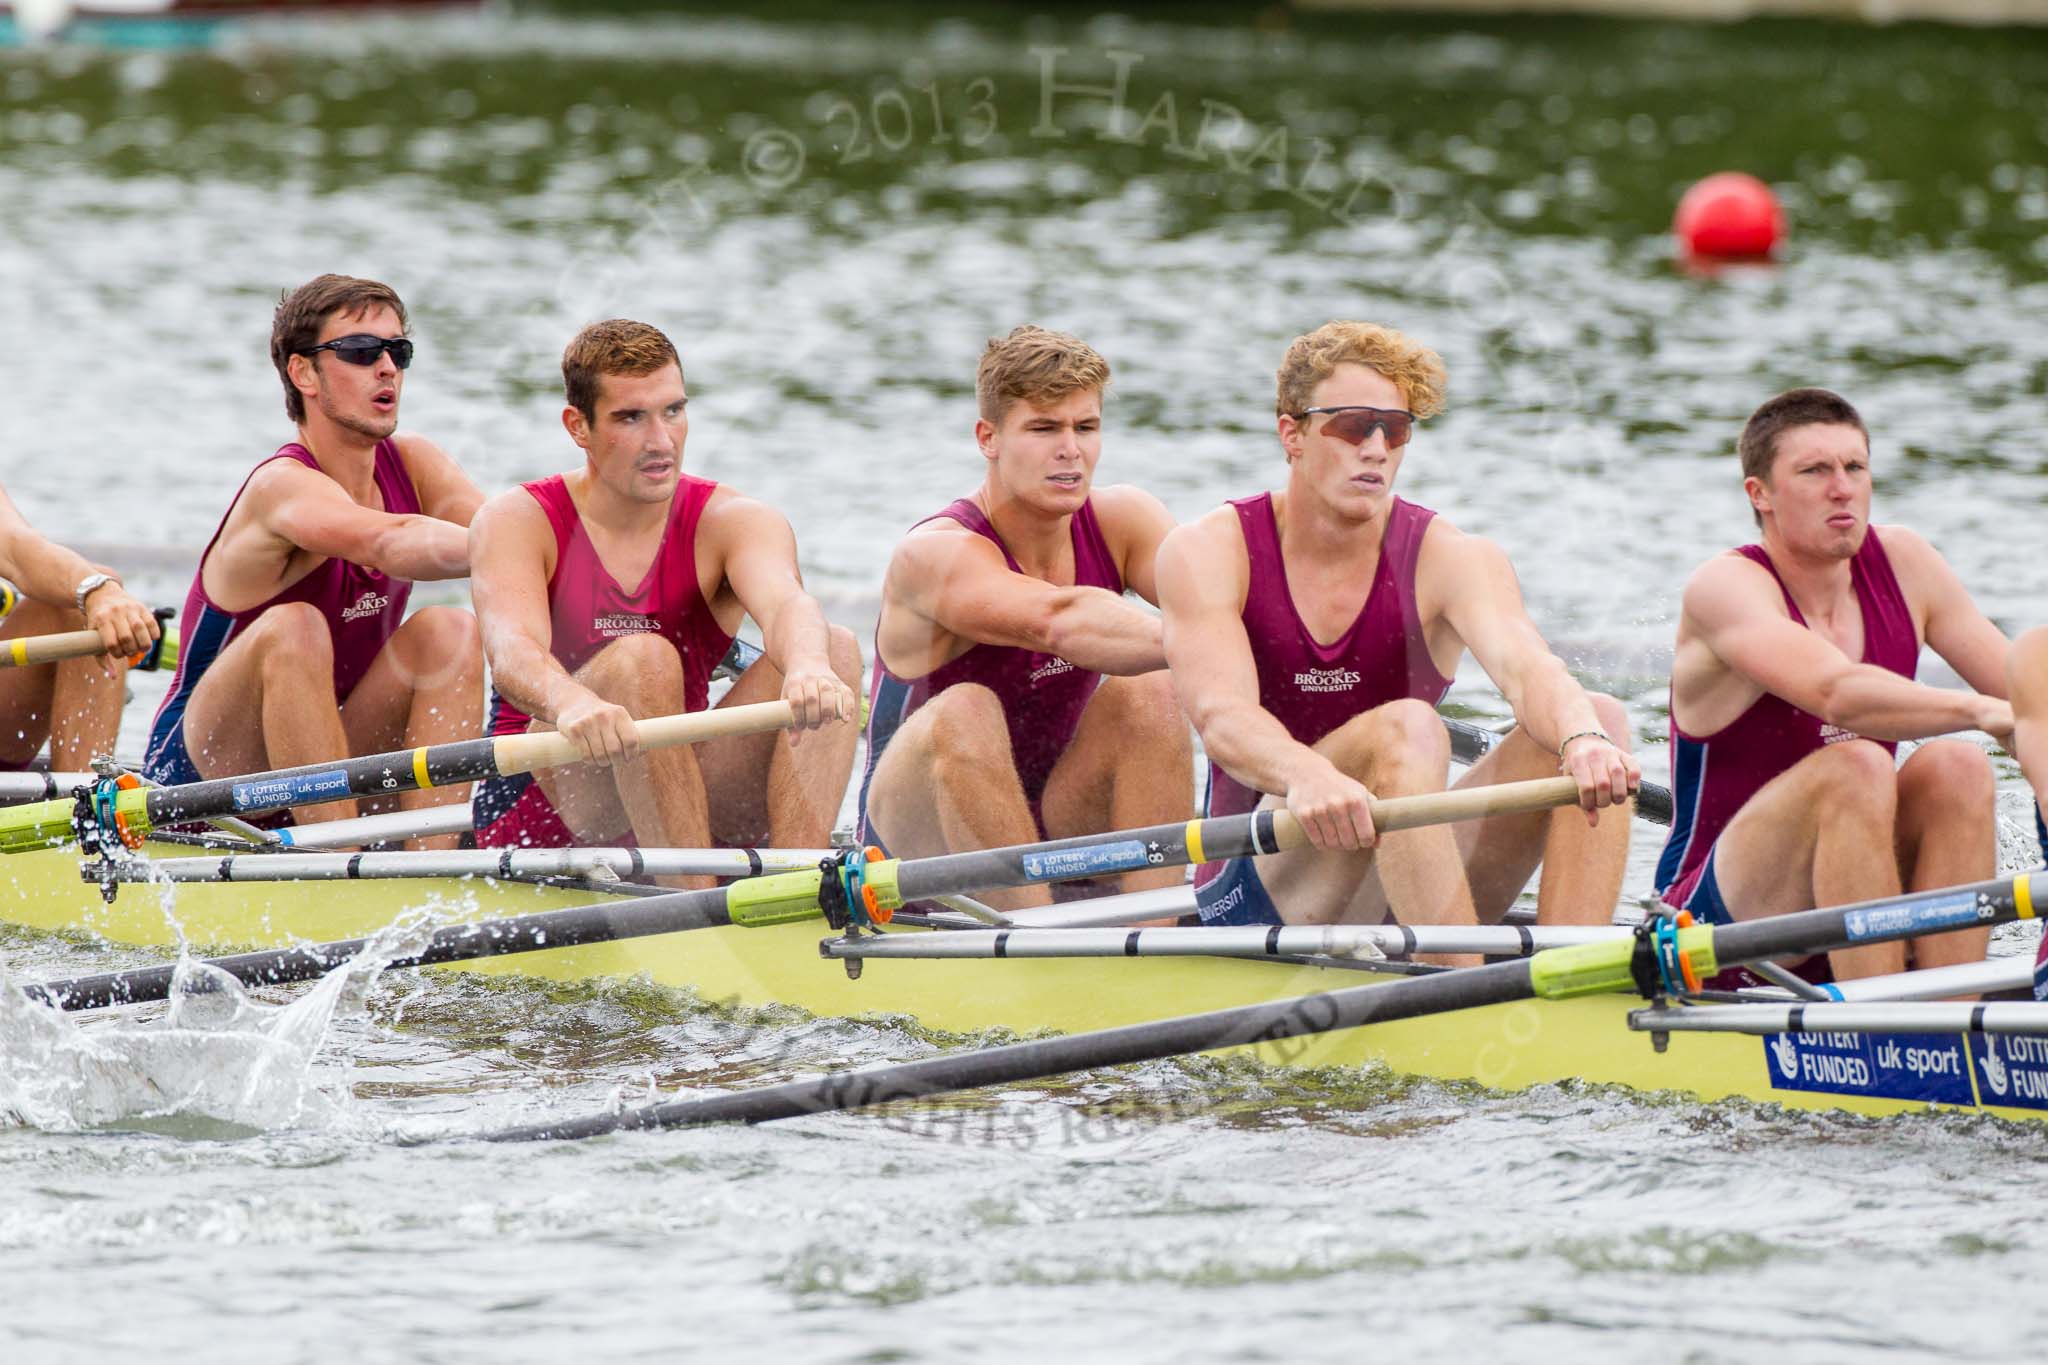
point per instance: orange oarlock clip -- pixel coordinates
(1683, 920)
(877, 912)
(130, 840)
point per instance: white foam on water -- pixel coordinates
(215, 1054)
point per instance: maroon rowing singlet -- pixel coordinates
(1713, 776)
(1313, 688)
(590, 609)
(362, 606)
(1042, 695)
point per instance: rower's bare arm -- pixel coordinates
(445, 491)
(511, 545)
(50, 573)
(959, 582)
(2029, 692)
(40, 567)
(308, 510)
(1482, 600)
(1737, 613)
(758, 551)
(1203, 578)
(1956, 628)
(1134, 523)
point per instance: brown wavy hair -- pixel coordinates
(302, 312)
(615, 346)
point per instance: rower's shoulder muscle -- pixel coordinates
(442, 486)
(1204, 564)
(732, 520)
(1729, 588)
(933, 554)
(1127, 512)
(1458, 568)
(1725, 601)
(513, 516)
(1920, 568)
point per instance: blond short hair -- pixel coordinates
(1415, 369)
(616, 346)
(1035, 364)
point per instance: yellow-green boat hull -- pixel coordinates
(1503, 1046)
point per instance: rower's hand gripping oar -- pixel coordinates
(126, 814)
(29, 650)
(848, 890)
(1554, 974)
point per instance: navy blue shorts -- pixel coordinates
(1236, 896)
(169, 765)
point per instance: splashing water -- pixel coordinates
(216, 1063)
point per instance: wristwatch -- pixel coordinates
(89, 585)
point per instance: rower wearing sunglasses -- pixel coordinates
(1791, 685)
(75, 704)
(295, 644)
(1312, 632)
(609, 594)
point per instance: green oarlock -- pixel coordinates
(1603, 968)
(47, 824)
(784, 898)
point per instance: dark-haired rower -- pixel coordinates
(1792, 684)
(295, 647)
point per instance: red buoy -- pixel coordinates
(1729, 215)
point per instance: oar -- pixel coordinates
(1554, 974)
(28, 650)
(142, 809)
(508, 863)
(791, 897)
(1470, 743)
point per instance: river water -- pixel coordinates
(831, 209)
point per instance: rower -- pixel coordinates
(74, 704)
(1016, 695)
(1791, 685)
(295, 645)
(2027, 681)
(574, 648)
(1312, 632)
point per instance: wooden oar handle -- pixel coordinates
(1443, 808)
(546, 749)
(44, 649)
(81, 644)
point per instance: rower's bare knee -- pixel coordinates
(642, 672)
(33, 617)
(1145, 715)
(970, 737)
(1401, 746)
(447, 646)
(843, 648)
(293, 642)
(1952, 773)
(1858, 784)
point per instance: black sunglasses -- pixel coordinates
(361, 348)
(1354, 425)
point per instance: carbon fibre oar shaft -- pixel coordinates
(1554, 974)
(790, 897)
(141, 809)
